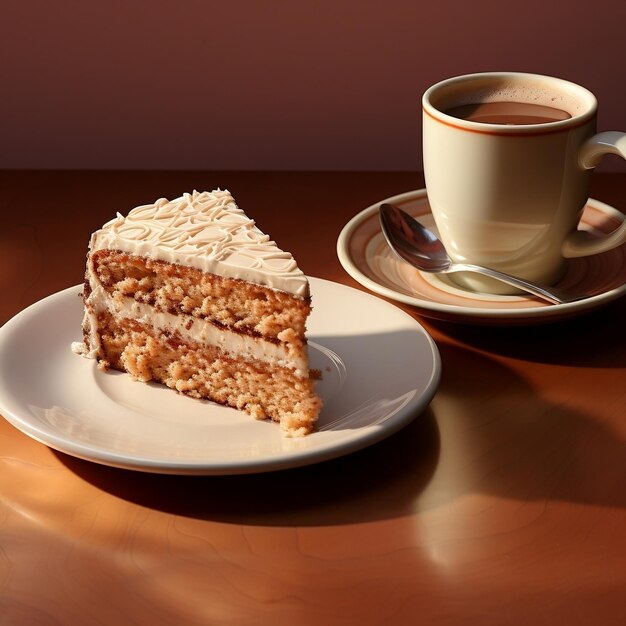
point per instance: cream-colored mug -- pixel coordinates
(507, 160)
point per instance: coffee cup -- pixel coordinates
(507, 160)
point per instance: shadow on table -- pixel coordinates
(591, 340)
(379, 482)
(501, 437)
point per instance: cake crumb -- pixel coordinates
(79, 347)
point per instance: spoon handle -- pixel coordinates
(551, 294)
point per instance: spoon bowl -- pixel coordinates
(421, 248)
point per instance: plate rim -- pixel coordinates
(287, 460)
(458, 312)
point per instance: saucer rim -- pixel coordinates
(456, 312)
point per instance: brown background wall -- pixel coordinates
(279, 84)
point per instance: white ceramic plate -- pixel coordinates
(380, 370)
(365, 255)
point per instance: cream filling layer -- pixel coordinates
(190, 329)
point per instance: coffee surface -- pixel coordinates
(507, 113)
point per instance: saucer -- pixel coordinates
(365, 255)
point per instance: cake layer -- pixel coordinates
(232, 303)
(261, 389)
(190, 329)
(207, 231)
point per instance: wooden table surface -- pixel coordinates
(503, 503)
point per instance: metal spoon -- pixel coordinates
(421, 248)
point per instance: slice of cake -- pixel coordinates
(191, 294)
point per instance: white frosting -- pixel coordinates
(200, 331)
(207, 231)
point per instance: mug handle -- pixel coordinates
(581, 243)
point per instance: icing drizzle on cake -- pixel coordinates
(206, 230)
